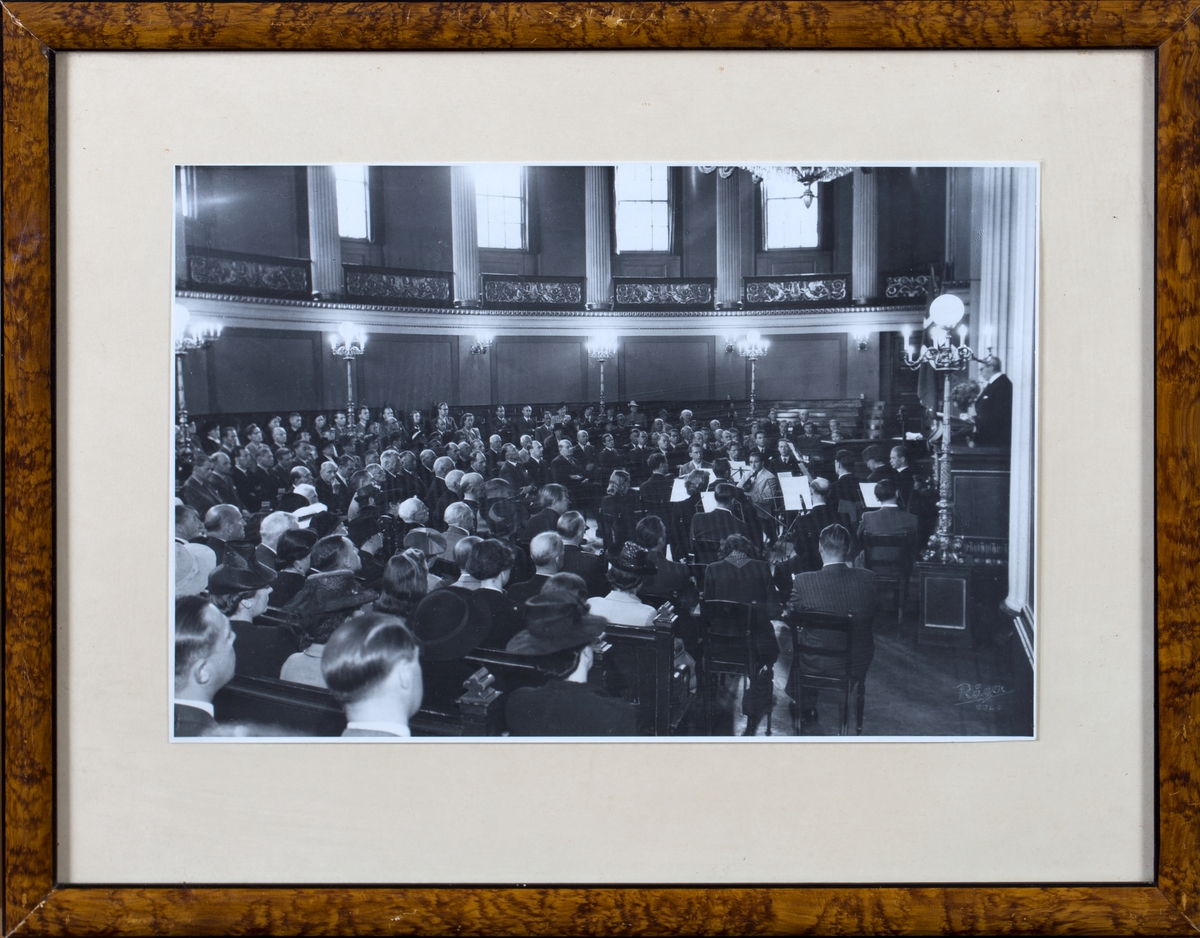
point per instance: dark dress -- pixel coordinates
(566, 708)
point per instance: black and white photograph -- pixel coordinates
(637, 451)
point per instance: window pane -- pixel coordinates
(788, 223)
(353, 205)
(500, 205)
(643, 207)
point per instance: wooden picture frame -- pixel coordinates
(33, 32)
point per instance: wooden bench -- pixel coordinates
(637, 663)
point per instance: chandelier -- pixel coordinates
(808, 176)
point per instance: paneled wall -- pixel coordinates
(267, 370)
(252, 209)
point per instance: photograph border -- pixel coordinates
(33, 32)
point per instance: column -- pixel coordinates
(729, 242)
(864, 256)
(598, 249)
(324, 240)
(181, 264)
(465, 233)
(1008, 301)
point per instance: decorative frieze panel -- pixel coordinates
(906, 287)
(797, 291)
(512, 292)
(643, 294)
(393, 285)
(249, 274)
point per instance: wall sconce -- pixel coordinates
(730, 343)
(861, 337)
(481, 345)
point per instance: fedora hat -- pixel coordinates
(556, 620)
(633, 558)
(193, 564)
(333, 591)
(428, 541)
(449, 623)
(505, 516)
(239, 571)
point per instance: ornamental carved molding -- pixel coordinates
(789, 291)
(389, 286)
(532, 292)
(916, 287)
(650, 293)
(238, 274)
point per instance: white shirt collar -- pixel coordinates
(198, 704)
(392, 729)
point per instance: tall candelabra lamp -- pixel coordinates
(944, 578)
(188, 336)
(349, 343)
(602, 348)
(752, 348)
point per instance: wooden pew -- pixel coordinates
(312, 711)
(637, 664)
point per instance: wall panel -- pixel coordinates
(539, 370)
(252, 209)
(256, 371)
(666, 368)
(809, 367)
(406, 372)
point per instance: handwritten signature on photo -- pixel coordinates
(981, 696)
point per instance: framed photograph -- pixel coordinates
(822, 395)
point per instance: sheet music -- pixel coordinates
(678, 491)
(709, 501)
(868, 492)
(797, 494)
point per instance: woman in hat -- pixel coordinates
(627, 572)
(326, 601)
(558, 638)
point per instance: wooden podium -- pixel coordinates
(945, 592)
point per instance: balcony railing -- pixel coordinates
(509, 291)
(214, 271)
(797, 291)
(394, 285)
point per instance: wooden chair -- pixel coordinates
(837, 676)
(890, 557)
(705, 551)
(637, 664)
(727, 647)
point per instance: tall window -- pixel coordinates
(643, 198)
(500, 206)
(353, 200)
(787, 221)
(187, 191)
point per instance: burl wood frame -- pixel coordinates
(32, 32)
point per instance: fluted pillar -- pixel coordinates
(729, 242)
(1007, 308)
(324, 241)
(598, 229)
(864, 245)
(181, 264)
(465, 234)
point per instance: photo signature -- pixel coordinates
(980, 696)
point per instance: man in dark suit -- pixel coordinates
(888, 519)
(847, 496)
(617, 516)
(993, 407)
(553, 502)
(593, 569)
(559, 640)
(223, 523)
(546, 552)
(655, 492)
(840, 590)
(672, 580)
(437, 495)
(904, 476)
(808, 531)
(511, 470)
(204, 663)
(198, 490)
(880, 470)
(716, 525)
(524, 425)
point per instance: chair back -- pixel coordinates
(726, 636)
(706, 551)
(823, 652)
(890, 556)
(297, 708)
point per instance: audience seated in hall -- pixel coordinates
(559, 638)
(324, 602)
(546, 552)
(205, 662)
(628, 569)
(372, 665)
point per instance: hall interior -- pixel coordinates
(720, 289)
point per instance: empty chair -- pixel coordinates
(890, 557)
(705, 551)
(823, 656)
(727, 647)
